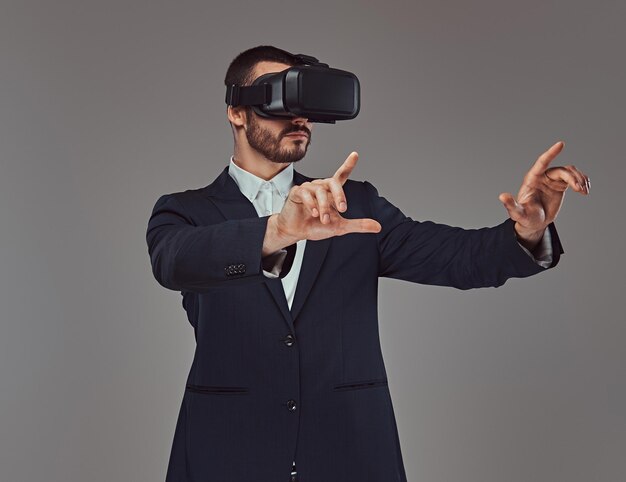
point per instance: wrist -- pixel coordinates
(275, 238)
(528, 239)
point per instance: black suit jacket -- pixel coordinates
(269, 385)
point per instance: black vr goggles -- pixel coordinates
(312, 90)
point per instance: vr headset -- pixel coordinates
(311, 89)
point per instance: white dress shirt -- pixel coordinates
(268, 197)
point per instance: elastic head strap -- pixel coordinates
(248, 95)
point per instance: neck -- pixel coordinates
(256, 163)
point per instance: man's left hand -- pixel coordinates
(541, 195)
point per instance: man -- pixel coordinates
(290, 382)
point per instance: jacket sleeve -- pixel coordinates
(186, 257)
(437, 254)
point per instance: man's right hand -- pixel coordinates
(312, 209)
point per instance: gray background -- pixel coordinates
(107, 105)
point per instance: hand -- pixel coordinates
(541, 195)
(312, 209)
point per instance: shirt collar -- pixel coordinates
(249, 184)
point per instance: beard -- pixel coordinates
(267, 144)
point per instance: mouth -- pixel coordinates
(298, 135)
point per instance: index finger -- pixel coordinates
(542, 162)
(346, 168)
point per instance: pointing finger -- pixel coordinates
(542, 162)
(346, 168)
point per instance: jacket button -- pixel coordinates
(233, 269)
(289, 340)
(291, 405)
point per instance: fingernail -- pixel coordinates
(342, 205)
(326, 218)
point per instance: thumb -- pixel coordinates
(363, 225)
(516, 212)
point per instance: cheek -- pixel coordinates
(271, 133)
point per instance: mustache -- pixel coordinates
(299, 129)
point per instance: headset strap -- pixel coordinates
(248, 95)
(308, 59)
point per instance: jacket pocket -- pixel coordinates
(212, 389)
(357, 385)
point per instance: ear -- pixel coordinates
(236, 115)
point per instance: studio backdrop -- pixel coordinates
(106, 106)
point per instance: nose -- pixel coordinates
(302, 123)
(299, 120)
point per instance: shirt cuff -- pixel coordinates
(273, 263)
(542, 253)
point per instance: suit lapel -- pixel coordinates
(231, 202)
(314, 255)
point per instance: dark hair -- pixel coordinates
(241, 69)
